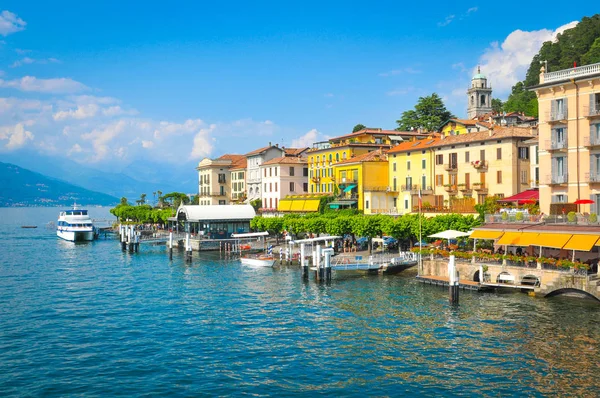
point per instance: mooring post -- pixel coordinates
(318, 262)
(327, 263)
(137, 241)
(122, 236)
(453, 281)
(188, 247)
(130, 238)
(171, 244)
(303, 262)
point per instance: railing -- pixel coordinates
(557, 116)
(552, 145)
(480, 165)
(537, 219)
(406, 188)
(592, 140)
(571, 73)
(592, 112)
(379, 189)
(479, 186)
(254, 180)
(214, 194)
(451, 188)
(348, 181)
(557, 179)
(424, 191)
(451, 166)
(592, 177)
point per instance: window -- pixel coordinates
(395, 203)
(408, 165)
(483, 100)
(330, 187)
(423, 164)
(270, 171)
(467, 180)
(265, 172)
(222, 202)
(344, 155)
(275, 171)
(439, 180)
(305, 186)
(559, 109)
(366, 204)
(265, 203)
(524, 153)
(560, 198)
(482, 155)
(265, 190)
(467, 157)
(524, 179)
(499, 176)
(423, 182)
(305, 172)
(337, 157)
(439, 159)
(498, 153)
(291, 171)
(454, 160)
(291, 187)
(406, 204)
(270, 187)
(311, 174)
(221, 178)
(394, 185)
(271, 203)
(275, 187)
(394, 166)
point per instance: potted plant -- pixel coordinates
(593, 218)
(519, 216)
(504, 216)
(572, 217)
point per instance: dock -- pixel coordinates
(470, 285)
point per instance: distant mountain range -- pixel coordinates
(131, 182)
(21, 187)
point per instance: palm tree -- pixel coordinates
(154, 197)
(143, 198)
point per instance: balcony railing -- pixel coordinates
(480, 165)
(451, 167)
(348, 181)
(480, 187)
(537, 219)
(557, 179)
(373, 188)
(554, 145)
(591, 141)
(450, 188)
(571, 73)
(214, 194)
(557, 116)
(592, 177)
(592, 112)
(407, 188)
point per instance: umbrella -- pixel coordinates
(449, 234)
(584, 201)
(529, 201)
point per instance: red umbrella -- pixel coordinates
(584, 202)
(529, 201)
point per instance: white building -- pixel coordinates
(214, 178)
(254, 160)
(281, 177)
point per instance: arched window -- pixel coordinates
(330, 157)
(343, 155)
(337, 157)
(483, 100)
(472, 100)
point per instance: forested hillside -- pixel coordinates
(579, 45)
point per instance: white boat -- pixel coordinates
(75, 225)
(257, 260)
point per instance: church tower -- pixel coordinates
(479, 96)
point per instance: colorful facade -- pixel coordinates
(282, 177)
(214, 177)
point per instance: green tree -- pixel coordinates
(256, 203)
(358, 127)
(522, 100)
(124, 201)
(195, 200)
(429, 114)
(497, 105)
(593, 55)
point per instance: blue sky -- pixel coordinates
(108, 83)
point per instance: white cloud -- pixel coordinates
(395, 72)
(76, 148)
(447, 21)
(28, 60)
(307, 140)
(147, 144)
(51, 86)
(202, 146)
(81, 112)
(506, 63)
(165, 129)
(472, 9)
(101, 138)
(10, 23)
(17, 136)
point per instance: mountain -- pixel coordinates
(132, 182)
(21, 187)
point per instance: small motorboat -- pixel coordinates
(258, 261)
(28, 226)
(264, 259)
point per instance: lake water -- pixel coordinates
(88, 319)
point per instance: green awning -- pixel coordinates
(337, 204)
(334, 206)
(349, 188)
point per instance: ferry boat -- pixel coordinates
(75, 225)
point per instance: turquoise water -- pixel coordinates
(88, 319)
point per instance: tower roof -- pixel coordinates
(479, 75)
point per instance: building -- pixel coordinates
(479, 96)
(213, 223)
(411, 170)
(253, 175)
(324, 155)
(214, 176)
(362, 182)
(514, 119)
(469, 167)
(281, 177)
(238, 181)
(569, 141)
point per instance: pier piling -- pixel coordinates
(453, 281)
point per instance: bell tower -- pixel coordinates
(479, 96)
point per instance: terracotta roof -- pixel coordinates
(415, 145)
(230, 156)
(286, 160)
(486, 124)
(495, 134)
(261, 150)
(465, 122)
(294, 151)
(373, 156)
(377, 132)
(239, 164)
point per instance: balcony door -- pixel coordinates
(454, 160)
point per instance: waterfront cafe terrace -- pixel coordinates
(213, 222)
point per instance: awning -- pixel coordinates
(297, 205)
(284, 205)
(342, 203)
(311, 204)
(556, 241)
(349, 187)
(528, 239)
(510, 238)
(530, 194)
(582, 242)
(480, 234)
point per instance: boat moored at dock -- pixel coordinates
(75, 225)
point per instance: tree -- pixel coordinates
(497, 105)
(522, 100)
(593, 55)
(195, 200)
(429, 114)
(124, 201)
(256, 203)
(358, 127)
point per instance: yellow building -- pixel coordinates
(362, 183)
(324, 155)
(569, 141)
(462, 126)
(411, 170)
(469, 167)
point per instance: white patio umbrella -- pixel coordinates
(449, 234)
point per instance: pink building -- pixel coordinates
(281, 177)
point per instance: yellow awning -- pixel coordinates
(284, 205)
(312, 204)
(510, 238)
(556, 241)
(582, 242)
(480, 234)
(297, 205)
(528, 239)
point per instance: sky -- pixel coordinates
(110, 83)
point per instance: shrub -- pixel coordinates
(593, 217)
(504, 216)
(571, 216)
(519, 216)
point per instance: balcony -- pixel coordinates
(557, 116)
(592, 178)
(255, 180)
(450, 188)
(348, 181)
(572, 73)
(592, 112)
(374, 188)
(214, 194)
(591, 141)
(480, 165)
(424, 190)
(465, 189)
(557, 179)
(408, 188)
(556, 145)
(480, 187)
(451, 167)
